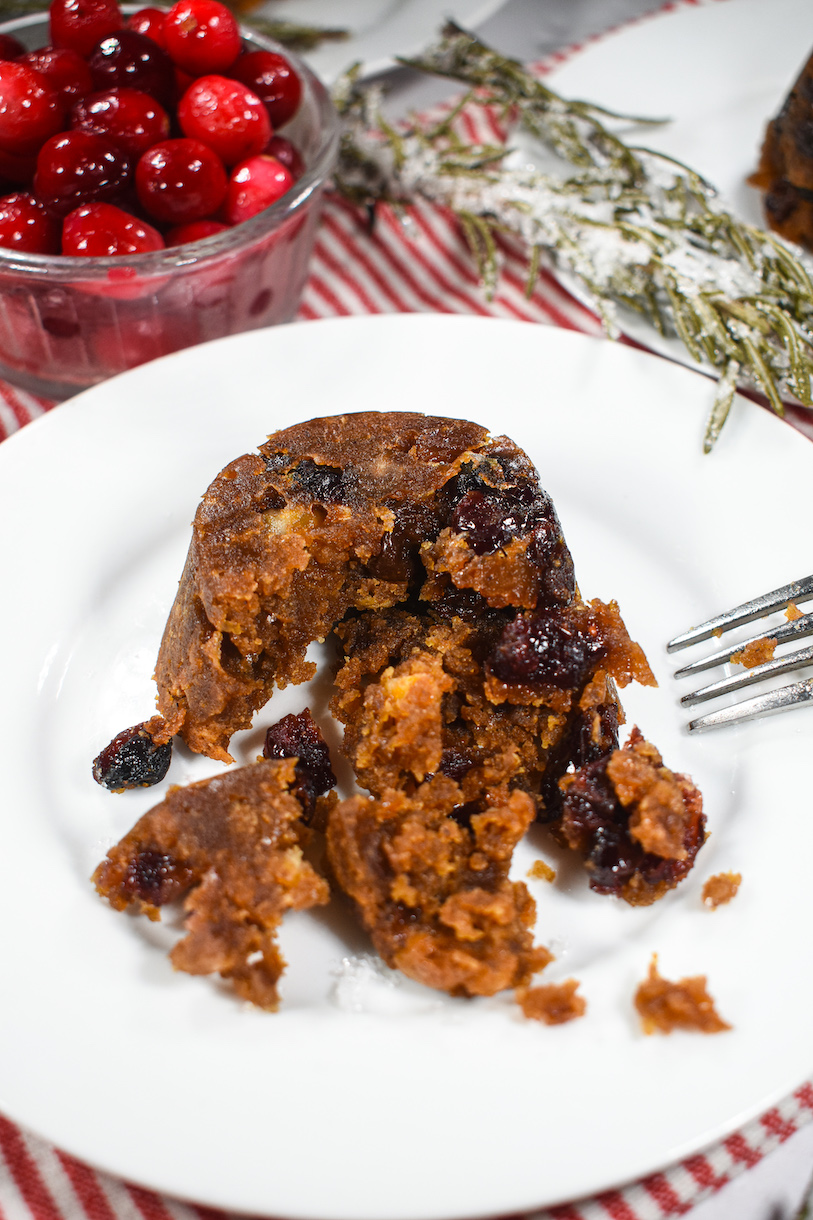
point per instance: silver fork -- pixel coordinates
(776, 700)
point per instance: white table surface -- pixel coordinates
(531, 30)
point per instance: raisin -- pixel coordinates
(399, 557)
(156, 878)
(487, 523)
(325, 484)
(132, 760)
(299, 737)
(269, 500)
(548, 648)
(455, 764)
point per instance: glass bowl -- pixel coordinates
(68, 323)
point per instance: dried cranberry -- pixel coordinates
(324, 484)
(156, 878)
(487, 523)
(299, 737)
(132, 760)
(550, 648)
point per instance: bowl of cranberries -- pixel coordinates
(161, 176)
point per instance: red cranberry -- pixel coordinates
(180, 181)
(75, 168)
(31, 110)
(130, 60)
(80, 24)
(227, 116)
(274, 81)
(65, 70)
(202, 36)
(150, 23)
(254, 185)
(134, 121)
(99, 230)
(288, 154)
(181, 235)
(25, 225)
(10, 48)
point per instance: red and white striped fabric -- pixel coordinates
(417, 264)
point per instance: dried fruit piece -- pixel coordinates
(132, 759)
(299, 737)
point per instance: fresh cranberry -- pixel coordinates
(274, 81)
(31, 110)
(80, 24)
(134, 121)
(25, 225)
(254, 185)
(75, 168)
(202, 36)
(133, 61)
(10, 48)
(99, 230)
(227, 116)
(180, 181)
(197, 230)
(63, 68)
(150, 23)
(288, 154)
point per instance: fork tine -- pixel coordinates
(745, 613)
(795, 695)
(779, 665)
(795, 630)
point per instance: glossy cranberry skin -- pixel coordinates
(100, 230)
(181, 235)
(288, 154)
(75, 168)
(10, 48)
(64, 69)
(31, 110)
(134, 121)
(150, 23)
(80, 24)
(227, 116)
(253, 186)
(25, 225)
(133, 61)
(274, 81)
(202, 36)
(179, 181)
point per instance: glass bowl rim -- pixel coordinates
(156, 262)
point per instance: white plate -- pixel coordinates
(379, 1099)
(719, 70)
(379, 29)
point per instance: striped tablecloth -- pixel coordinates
(419, 263)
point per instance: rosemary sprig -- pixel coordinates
(636, 228)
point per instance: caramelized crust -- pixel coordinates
(232, 845)
(433, 891)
